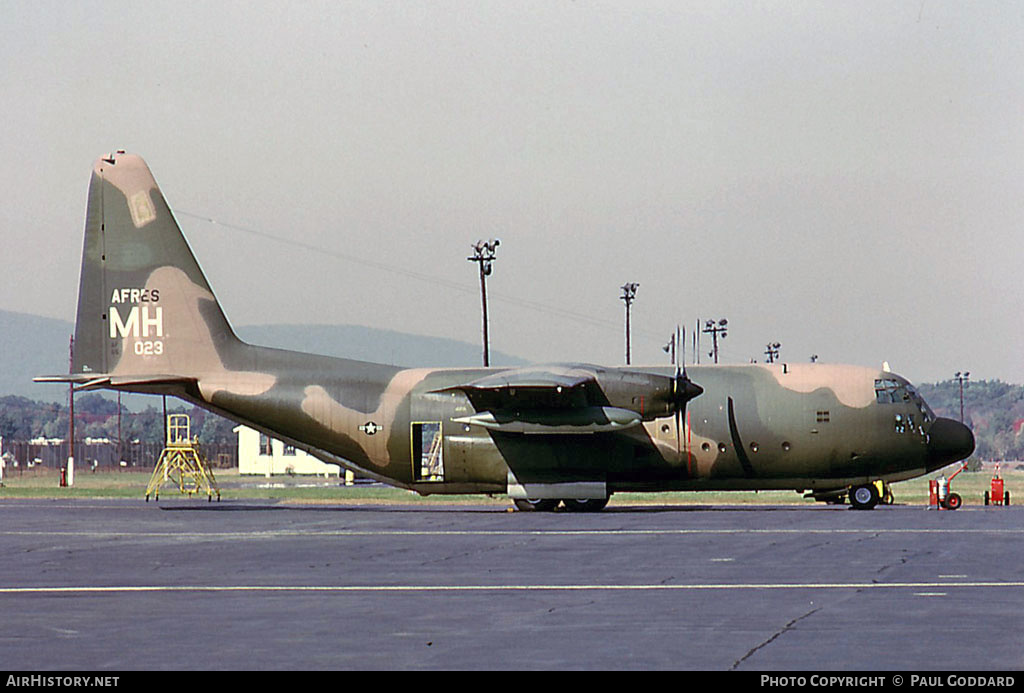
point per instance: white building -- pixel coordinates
(258, 453)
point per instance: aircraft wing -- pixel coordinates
(543, 399)
(561, 399)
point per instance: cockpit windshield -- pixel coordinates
(891, 391)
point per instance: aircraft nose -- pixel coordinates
(948, 441)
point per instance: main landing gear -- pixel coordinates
(589, 505)
(864, 497)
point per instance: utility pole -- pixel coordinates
(483, 254)
(628, 295)
(712, 328)
(67, 477)
(772, 351)
(120, 439)
(964, 380)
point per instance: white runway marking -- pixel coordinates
(127, 589)
(492, 533)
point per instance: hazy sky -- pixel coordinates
(846, 178)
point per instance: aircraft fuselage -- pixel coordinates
(778, 426)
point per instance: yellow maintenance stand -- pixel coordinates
(181, 462)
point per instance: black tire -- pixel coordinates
(540, 505)
(864, 497)
(953, 501)
(1006, 498)
(590, 505)
(986, 498)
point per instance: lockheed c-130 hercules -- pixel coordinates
(568, 433)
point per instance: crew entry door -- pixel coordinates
(427, 451)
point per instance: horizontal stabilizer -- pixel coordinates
(97, 381)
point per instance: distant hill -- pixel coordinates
(369, 344)
(31, 345)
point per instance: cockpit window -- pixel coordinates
(890, 391)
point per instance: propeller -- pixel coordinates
(683, 389)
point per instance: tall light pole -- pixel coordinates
(964, 380)
(712, 328)
(483, 254)
(628, 295)
(772, 351)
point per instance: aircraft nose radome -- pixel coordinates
(949, 441)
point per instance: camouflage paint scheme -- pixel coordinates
(149, 322)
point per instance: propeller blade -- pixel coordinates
(679, 428)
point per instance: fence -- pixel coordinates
(134, 455)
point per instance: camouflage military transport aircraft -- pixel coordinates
(569, 434)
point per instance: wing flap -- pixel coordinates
(555, 421)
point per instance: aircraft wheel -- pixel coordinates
(954, 501)
(864, 497)
(539, 505)
(589, 505)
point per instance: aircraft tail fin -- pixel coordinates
(144, 306)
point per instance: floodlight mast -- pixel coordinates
(964, 380)
(710, 327)
(628, 295)
(483, 254)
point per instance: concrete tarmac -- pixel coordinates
(93, 585)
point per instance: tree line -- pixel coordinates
(994, 410)
(96, 416)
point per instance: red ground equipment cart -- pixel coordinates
(997, 495)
